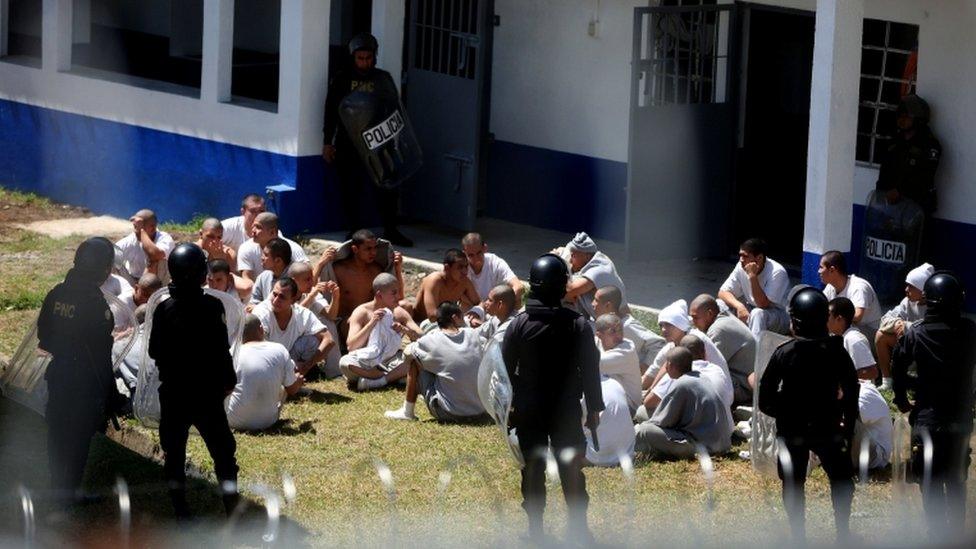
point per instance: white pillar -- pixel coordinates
(81, 27)
(4, 26)
(387, 26)
(833, 128)
(304, 69)
(218, 50)
(56, 35)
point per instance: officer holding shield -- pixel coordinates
(338, 148)
(75, 326)
(552, 360)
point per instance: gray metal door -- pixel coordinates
(681, 132)
(448, 68)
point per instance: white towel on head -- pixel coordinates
(383, 343)
(676, 314)
(583, 243)
(917, 276)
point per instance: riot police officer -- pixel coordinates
(909, 164)
(943, 347)
(189, 344)
(811, 388)
(552, 360)
(75, 327)
(338, 148)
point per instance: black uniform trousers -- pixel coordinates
(74, 413)
(944, 495)
(355, 185)
(177, 414)
(835, 457)
(558, 427)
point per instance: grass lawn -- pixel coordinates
(452, 485)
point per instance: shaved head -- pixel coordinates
(253, 331)
(472, 239)
(267, 220)
(694, 345)
(505, 294)
(612, 295)
(680, 359)
(385, 281)
(146, 214)
(211, 223)
(704, 303)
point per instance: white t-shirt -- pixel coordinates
(857, 345)
(249, 256)
(712, 354)
(876, 418)
(712, 373)
(263, 370)
(616, 429)
(263, 285)
(319, 307)
(495, 271)
(116, 285)
(601, 271)
(234, 233)
(303, 322)
(134, 257)
(773, 279)
(862, 295)
(621, 363)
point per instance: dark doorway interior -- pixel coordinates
(349, 18)
(771, 175)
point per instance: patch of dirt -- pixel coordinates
(103, 225)
(18, 211)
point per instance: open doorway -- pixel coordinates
(770, 185)
(347, 19)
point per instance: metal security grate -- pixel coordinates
(683, 54)
(889, 57)
(446, 36)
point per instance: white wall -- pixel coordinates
(555, 87)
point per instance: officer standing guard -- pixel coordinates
(943, 347)
(338, 148)
(811, 388)
(75, 326)
(552, 360)
(189, 344)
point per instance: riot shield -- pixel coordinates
(763, 446)
(23, 379)
(495, 392)
(891, 245)
(380, 130)
(145, 401)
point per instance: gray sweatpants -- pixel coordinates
(652, 440)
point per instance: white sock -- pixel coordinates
(403, 412)
(886, 382)
(408, 407)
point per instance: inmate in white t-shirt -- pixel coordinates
(876, 418)
(856, 345)
(249, 256)
(303, 322)
(773, 279)
(621, 363)
(134, 257)
(234, 233)
(862, 295)
(263, 370)
(494, 272)
(616, 429)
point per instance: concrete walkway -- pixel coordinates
(652, 284)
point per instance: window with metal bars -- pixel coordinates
(889, 68)
(685, 56)
(446, 36)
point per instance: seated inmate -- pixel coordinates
(674, 324)
(265, 228)
(756, 290)
(212, 241)
(874, 426)
(145, 249)
(275, 259)
(692, 413)
(590, 269)
(618, 359)
(220, 277)
(237, 229)
(450, 284)
(286, 322)
(500, 307)
(323, 299)
(647, 344)
(487, 270)
(840, 283)
(734, 341)
(615, 431)
(265, 378)
(376, 331)
(443, 368)
(892, 326)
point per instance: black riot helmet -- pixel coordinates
(547, 279)
(944, 294)
(808, 313)
(94, 258)
(363, 41)
(916, 107)
(187, 266)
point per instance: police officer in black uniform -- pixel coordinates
(552, 360)
(75, 326)
(338, 148)
(943, 347)
(189, 344)
(811, 388)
